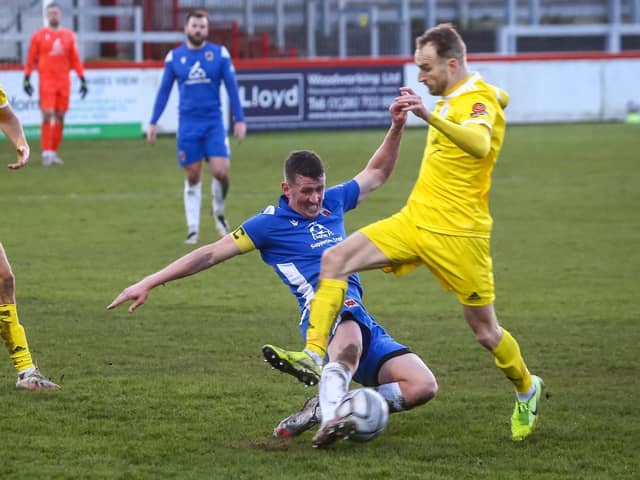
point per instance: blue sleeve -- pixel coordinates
(231, 84)
(164, 91)
(257, 227)
(345, 194)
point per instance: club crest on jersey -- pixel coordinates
(478, 109)
(324, 212)
(208, 55)
(183, 60)
(350, 302)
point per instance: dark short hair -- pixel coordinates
(197, 13)
(302, 162)
(54, 5)
(446, 40)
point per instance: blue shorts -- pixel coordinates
(377, 345)
(199, 141)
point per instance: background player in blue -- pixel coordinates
(200, 67)
(291, 238)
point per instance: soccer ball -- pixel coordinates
(368, 410)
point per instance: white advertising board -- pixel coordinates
(120, 101)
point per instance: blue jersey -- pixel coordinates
(292, 244)
(199, 73)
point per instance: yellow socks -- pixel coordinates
(509, 359)
(14, 337)
(325, 307)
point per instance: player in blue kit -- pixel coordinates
(200, 67)
(291, 238)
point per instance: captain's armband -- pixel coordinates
(242, 240)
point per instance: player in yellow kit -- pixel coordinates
(445, 225)
(11, 331)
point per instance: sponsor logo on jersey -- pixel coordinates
(444, 110)
(478, 109)
(197, 75)
(319, 232)
(57, 48)
(294, 222)
(183, 60)
(322, 236)
(474, 296)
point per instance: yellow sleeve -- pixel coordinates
(502, 97)
(3, 98)
(473, 138)
(242, 240)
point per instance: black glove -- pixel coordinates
(83, 88)
(26, 86)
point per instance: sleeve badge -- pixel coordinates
(478, 109)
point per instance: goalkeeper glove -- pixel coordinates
(26, 86)
(83, 87)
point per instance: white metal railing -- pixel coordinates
(323, 15)
(137, 36)
(264, 13)
(507, 36)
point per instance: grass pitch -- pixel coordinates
(179, 389)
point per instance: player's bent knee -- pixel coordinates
(427, 390)
(332, 260)
(430, 388)
(420, 390)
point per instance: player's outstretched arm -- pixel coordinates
(12, 128)
(381, 164)
(473, 138)
(412, 102)
(191, 263)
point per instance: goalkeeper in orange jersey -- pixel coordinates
(29, 376)
(445, 224)
(53, 52)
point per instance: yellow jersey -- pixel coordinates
(451, 194)
(3, 98)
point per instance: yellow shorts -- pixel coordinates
(461, 264)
